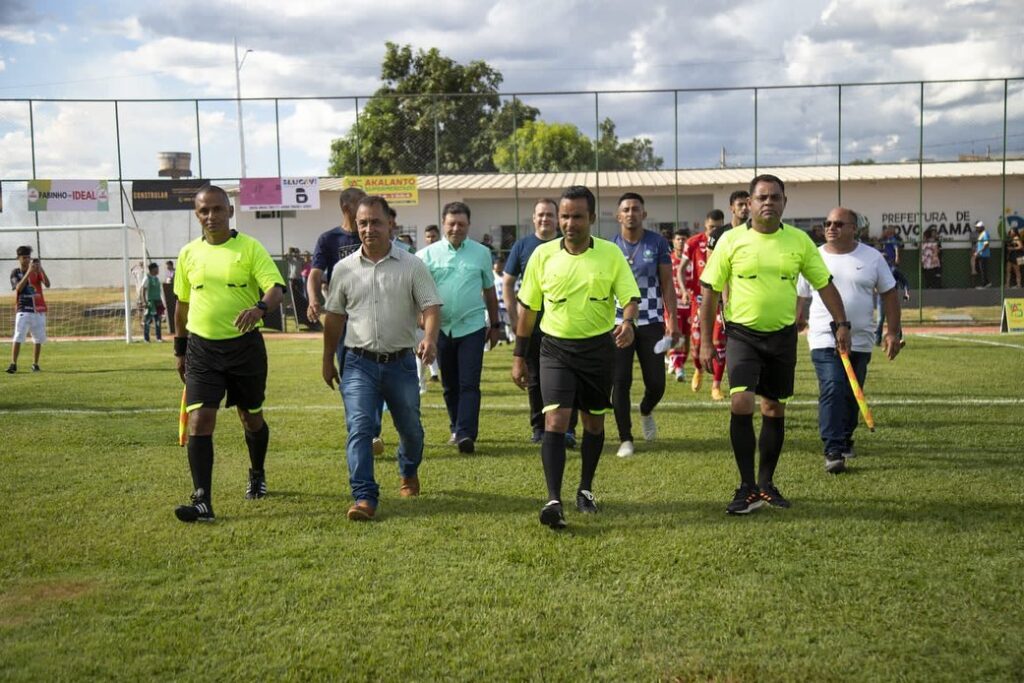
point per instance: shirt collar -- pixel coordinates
(561, 245)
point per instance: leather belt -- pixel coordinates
(381, 357)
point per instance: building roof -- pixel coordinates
(705, 177)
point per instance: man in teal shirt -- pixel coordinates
(151, 294)
(461, 268)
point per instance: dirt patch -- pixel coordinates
(20, 603)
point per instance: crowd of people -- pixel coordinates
(578, 308)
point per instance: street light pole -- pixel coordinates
(238, 100)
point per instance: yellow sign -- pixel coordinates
(1013, 315)
(399, 190)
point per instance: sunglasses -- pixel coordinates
(835, 224)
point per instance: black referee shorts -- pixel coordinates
(577, 373)
(762, 362)
(237, 367)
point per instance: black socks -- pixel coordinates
(741, 433)
(590, 454)
(257, 443)
(200, 461)
(773, 433)
(552, 456)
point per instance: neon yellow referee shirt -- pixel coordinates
(577, 291)
(219, 281)
(761, 272)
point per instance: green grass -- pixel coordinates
(908, 567)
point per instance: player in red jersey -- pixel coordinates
(676, 357)
(694, 256)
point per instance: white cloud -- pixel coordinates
(14, 35)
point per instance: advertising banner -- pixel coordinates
(279, 194)
(399, 190)
(68, 195)
(1013, 315)
(165, 195)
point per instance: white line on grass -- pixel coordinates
(697, 405)
(970, 340)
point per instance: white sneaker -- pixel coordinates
(649, 427)
(680, 375)
(625, 449)
(451, 441)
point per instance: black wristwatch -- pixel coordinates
(262, 306)
(835, 326)
(495, 326)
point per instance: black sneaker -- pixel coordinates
(773, 497)
(538, 436)
(466, 445)
(848, 451)
(585, 502)
(834, 463)
(551, 515)
(36, 368)
(12, 368)
(257, 485)
(747, 499)
(199, 511)
(570, 440)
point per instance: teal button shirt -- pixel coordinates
(461, 275)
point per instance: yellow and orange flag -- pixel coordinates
(858, 393)
(183, 421)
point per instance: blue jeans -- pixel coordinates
(364, 385)
(339, 355)
(837, 406)
(461, 360)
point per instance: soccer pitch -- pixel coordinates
(906, 567)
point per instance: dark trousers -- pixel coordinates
(172, 305)
(299, 301)
(837, 406)
(533, 385)
(652, 369)
(461, 360)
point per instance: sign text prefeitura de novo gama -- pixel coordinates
(952, 226)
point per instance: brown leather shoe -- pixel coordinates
(410, 487)
(361, 511)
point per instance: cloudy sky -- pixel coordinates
(99, 49)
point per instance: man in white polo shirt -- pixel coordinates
(376, 297)
(858, 272)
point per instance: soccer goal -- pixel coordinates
(95, 272)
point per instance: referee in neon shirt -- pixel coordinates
(217, 343)
(576, 280)
(760, 263)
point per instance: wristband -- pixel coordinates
(522, 346)
(262, 306)
(631, 321)
(180, 346)
(835, 326)
(495, 326)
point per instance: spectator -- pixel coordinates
(980, 257)
(1014, 248)
(891, 246)
(931, 259)
(296, 284)
(169, 298)
(151, 301)
(506, 333)
(27, 281)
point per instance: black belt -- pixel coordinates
(381, 357)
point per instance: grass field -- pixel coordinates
(908, 567)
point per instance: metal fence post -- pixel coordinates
(920, 201)
(597, 163)
(839, 149)
(675, 176)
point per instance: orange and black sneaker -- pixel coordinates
(773, 497)
(747, 499)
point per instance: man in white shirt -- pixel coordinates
(858, 272)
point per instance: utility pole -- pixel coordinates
(238, 100)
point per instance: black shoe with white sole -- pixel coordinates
(585, 502)
(834, 463)
(257, 485)
(746, 500)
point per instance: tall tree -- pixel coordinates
(633, 155)
(538, 146)
(427, 98)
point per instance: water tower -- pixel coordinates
(174, 165)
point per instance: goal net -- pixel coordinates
(95, 273)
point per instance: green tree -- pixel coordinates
(538, 146)
(634, 155)
(396, 128)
